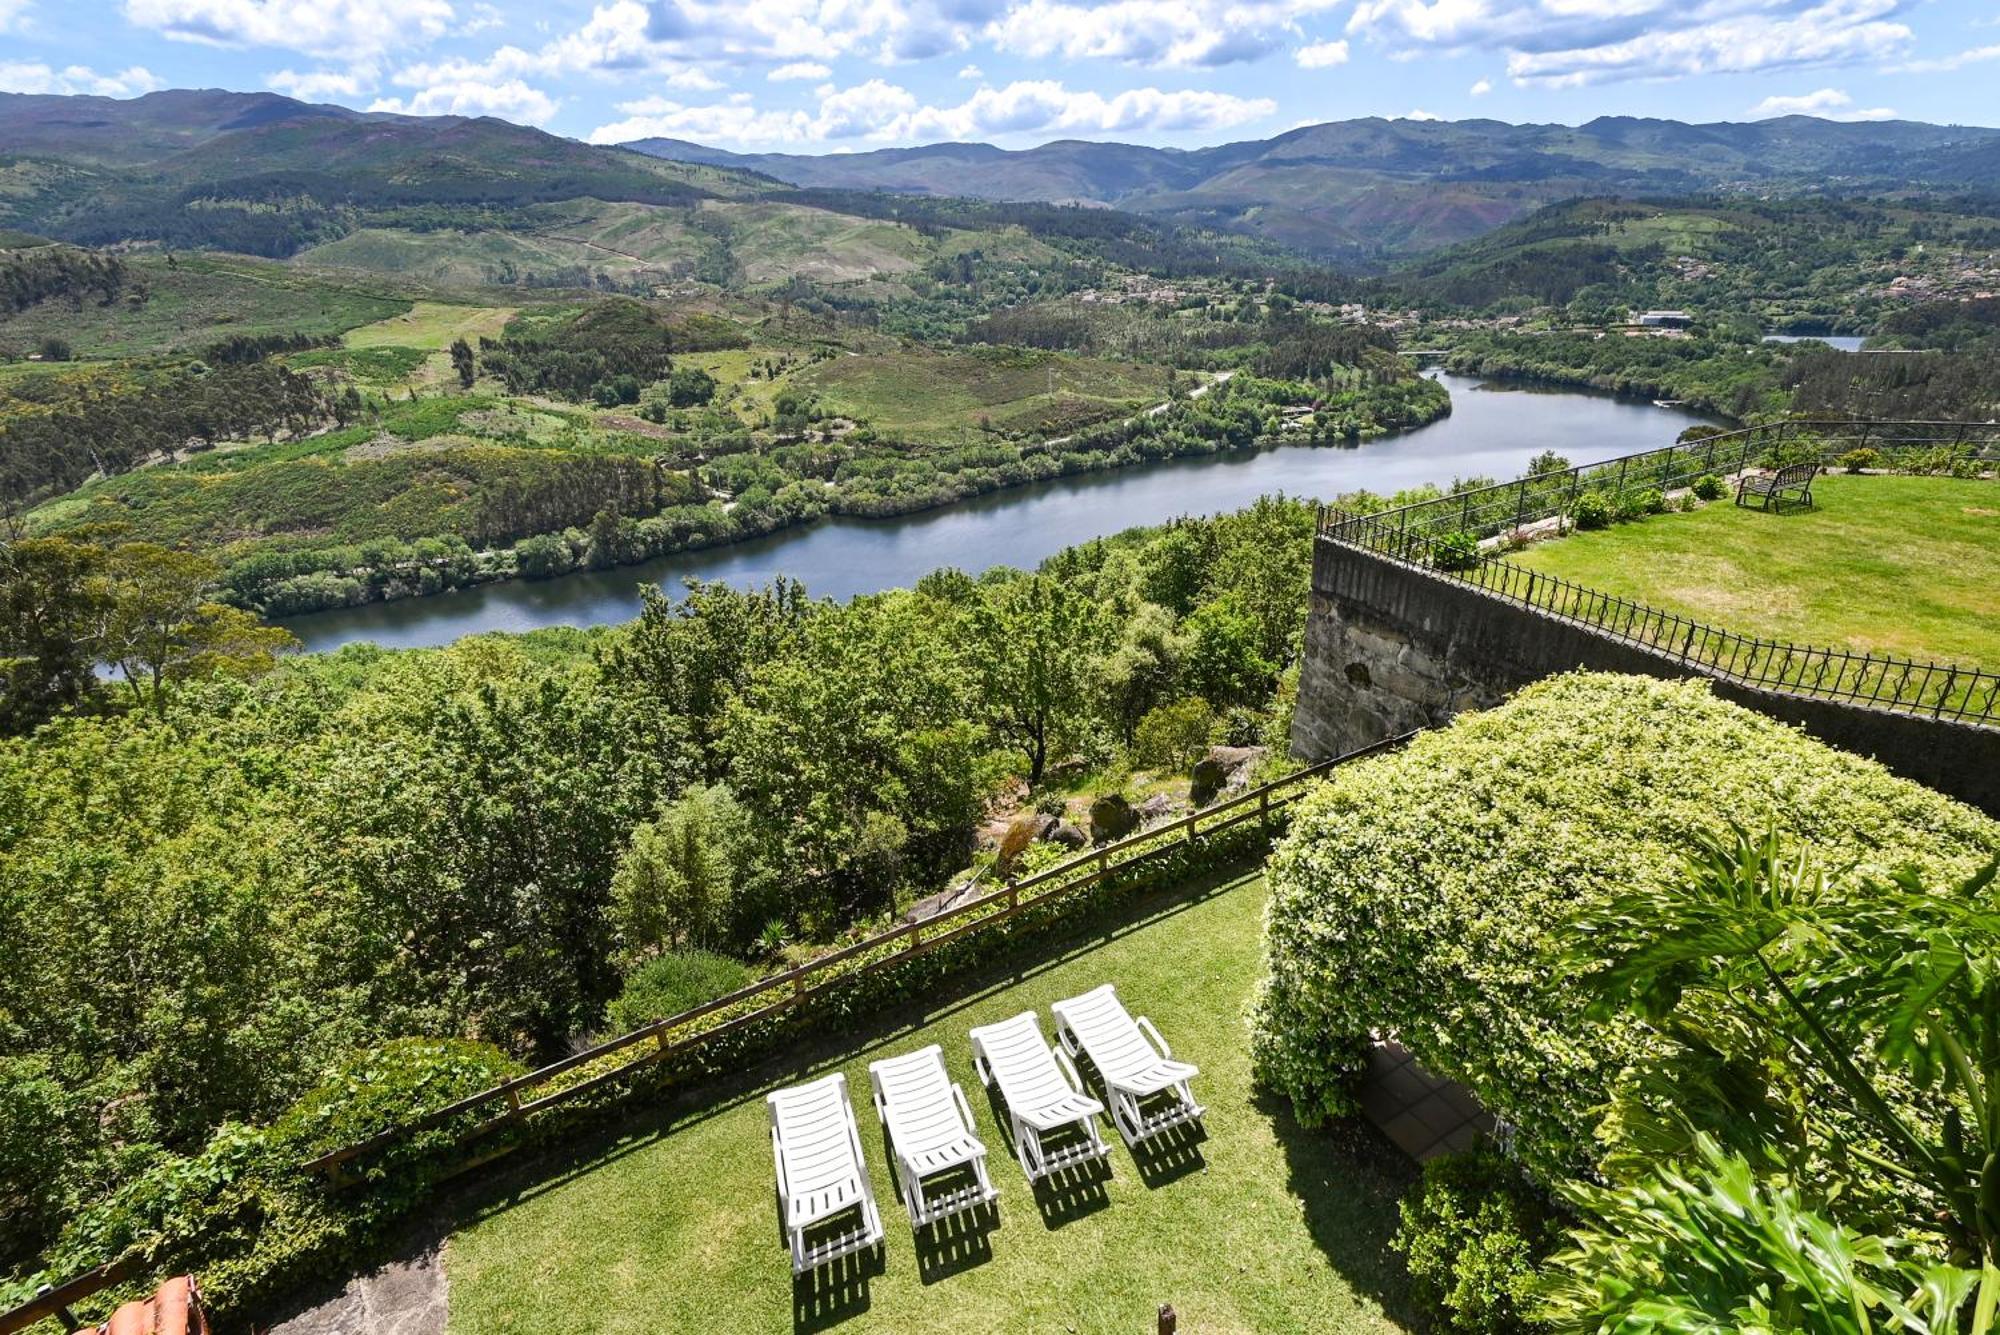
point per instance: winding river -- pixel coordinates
(1493, 430)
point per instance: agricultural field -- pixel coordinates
(1898, 565)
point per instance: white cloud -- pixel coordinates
(972, 72)
(1827, 103)
(512, 100)
(802, 70)
(1321, 55)
(1569, 43)
(1942, 64)
(348, 29)
(1175, 33)
(12, 14)
(1482, 88)
(1419, 114)
(32, 76)
(884, 112)
(480, 18)
(318, 85)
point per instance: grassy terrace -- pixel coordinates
(1899, 565)
(1262, 1226)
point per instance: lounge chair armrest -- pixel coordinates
(964, 1109)
(778, 1158)
(1147, 1026)
(979, 1067)
(1068, 1069)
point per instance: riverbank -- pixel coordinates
(1491, 431)
(1168, 431)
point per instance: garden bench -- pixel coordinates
(1773, 488)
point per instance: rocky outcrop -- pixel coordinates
(1223, 769)
(1112, 817)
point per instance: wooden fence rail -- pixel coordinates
(524, 1095)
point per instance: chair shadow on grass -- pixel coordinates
(1062, 1197)
(1171, 1155)
(830, 1294)
(956, 1244)
(1349, 1178)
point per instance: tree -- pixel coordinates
(462, 362)
(1173, 736)
(1222, 659)
(678, 879)
(1034, 639)
(53, 601)
(161, 628)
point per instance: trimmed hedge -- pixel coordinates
(1426, 892)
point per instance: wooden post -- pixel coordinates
(1169, 1323)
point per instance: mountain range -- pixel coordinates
(1374, 187)
(269, 174)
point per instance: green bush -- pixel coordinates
(1472, 1234)
(1458, 550)
(1638, 504)
(1592, 509)
(1865, 457)
(1710, 487)
(1427, 893)
(1173, 736)
(670, 984)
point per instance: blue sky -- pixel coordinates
(820, 76)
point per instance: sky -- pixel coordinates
(821, 76)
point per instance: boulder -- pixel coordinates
(1112, 817)
(1069, 836)
(1023, 830)
(1224, 768)
(1155, 809)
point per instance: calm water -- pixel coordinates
(1493, 430)
(1843, 342)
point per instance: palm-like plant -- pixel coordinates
(1857, 992)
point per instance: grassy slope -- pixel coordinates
(1902, 565)
(199, 299)
(929, 396)
(1268, 1228)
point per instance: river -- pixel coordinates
(1493, 430)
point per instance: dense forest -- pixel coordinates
(203, 947)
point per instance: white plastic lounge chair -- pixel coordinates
(817, 1149)
(931, 1130)
(1042, 1094)
(1133, 1068)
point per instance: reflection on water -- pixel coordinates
(1843, 342)
(1493, 431)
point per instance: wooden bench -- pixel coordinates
(1773, 488)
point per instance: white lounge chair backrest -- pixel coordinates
(1107, 1032)
(816, 1148)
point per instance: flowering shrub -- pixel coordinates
(1427, 892)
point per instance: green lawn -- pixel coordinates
(1262, 1226)
(1901, 565)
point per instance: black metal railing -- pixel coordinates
(1873, 681)
(1505, 507)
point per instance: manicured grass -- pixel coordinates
(1901, 565)
(1263, 1226)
